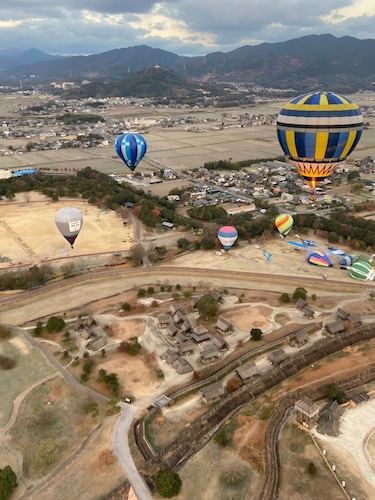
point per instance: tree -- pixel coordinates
(299, 293)
(168, 483)
(284, 298)
(38, 329)
(8, 482)
(354, 174)
(207, 306)
(183, 243)
(55, 324)
(256, 334)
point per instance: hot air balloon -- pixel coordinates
(284, 223)
(227, 236)
(318, 131)
(131, 148)
(362, 257)
(346, 262)
(69, 222)
(362, 270)
(319, 259)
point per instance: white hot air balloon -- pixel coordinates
(69, 221)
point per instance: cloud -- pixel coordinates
(181, 26)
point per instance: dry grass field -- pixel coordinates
(51, 425)
(31, 366)
(28, 233)
(296, 452)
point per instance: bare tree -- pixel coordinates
(27, 197)
(137, 254)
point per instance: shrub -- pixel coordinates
(222, 438)
(168, 483)
(233, 384)
(5, 332)
(6, 363)
(256, 334)
(284, 298)
(126, 307)
(311, 469)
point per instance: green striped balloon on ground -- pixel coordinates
(362, 270)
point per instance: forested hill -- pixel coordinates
(312, 62)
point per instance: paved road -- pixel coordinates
(121, 449)
(65, 373)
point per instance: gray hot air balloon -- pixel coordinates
(68, 221)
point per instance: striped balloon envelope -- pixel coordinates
(317, 132)
(284, 223)
(227, 236)
(131, 148)
(319, 259)
(361, 270)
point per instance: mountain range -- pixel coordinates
(313, 62)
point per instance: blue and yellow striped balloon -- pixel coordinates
(318, 131)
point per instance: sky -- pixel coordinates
(184, 27)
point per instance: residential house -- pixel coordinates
(173, 308)
(169, 356)
(223, 326)
(213, 392)
(163, 321)
(171, 330)
(86, 333)
(186, 348)
(194, 301)
(216, 296)
(277, 357)
(301, 304)
(182, 366)
(359, 399)
(220, 343)
(178, 318)
(355, 319)
(335, 327)
(91, 321)
(298, 339)
(210, 355)
(247, 371)
(200, 330)
(329, 419)
(308, 312)
(96, 343)
(307, 411)
(180, 337)
(185, 327)
(343, 315)
(200, 338)
(79, 325)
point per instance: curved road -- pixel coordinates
(121, 449)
